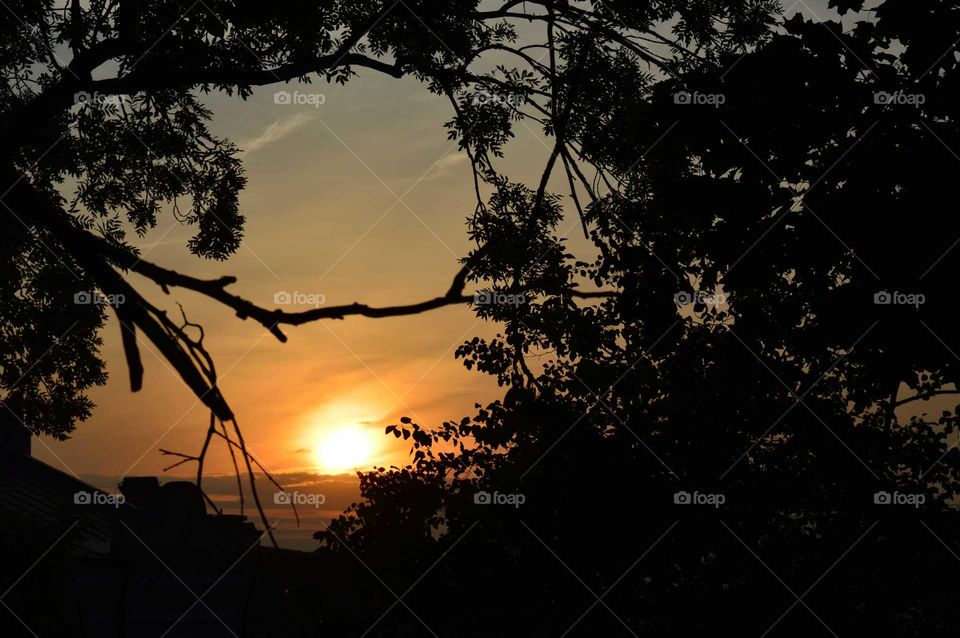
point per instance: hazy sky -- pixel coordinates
(360, 198)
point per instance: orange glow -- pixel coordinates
(344, 448)
(342, 437)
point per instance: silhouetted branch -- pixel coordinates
(179, 351)
(272, 318)
(184, 458)
(233, 460)
(188, 357)
(253, 480)
(573, 195)
(128, 337)
(923, 396)
(21, 124)
(211, 430)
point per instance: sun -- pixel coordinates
(343, 449)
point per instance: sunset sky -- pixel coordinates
(325, 218)
(360, 198)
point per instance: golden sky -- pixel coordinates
(360, 198)
(354, 194)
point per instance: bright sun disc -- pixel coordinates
(343, 449)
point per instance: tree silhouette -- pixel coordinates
(740, 438)
(105, 130)
(719, 420)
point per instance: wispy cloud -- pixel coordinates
(277, 131)
(446, 165)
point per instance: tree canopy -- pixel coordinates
(718, 418)
(742, 437)
(105, 130)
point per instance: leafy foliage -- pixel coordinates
(104, 122)
(791, 213)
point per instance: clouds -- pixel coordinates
(277, 131)
(445, 165)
